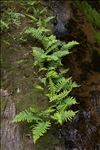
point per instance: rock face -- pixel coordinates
(83, 133)
(62, 12)
(10, 133)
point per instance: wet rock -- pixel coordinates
(62, 12)
(10, 133)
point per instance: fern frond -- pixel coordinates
(33, 3)
(39, 129)
(49, 19)
(51, 44)
(47, 112)
(40, 50)
(66, 103)
(52, 58)
(26, 116)
(60, 96)
(62, 116)
(43, 69)
(44, 10)
(54, 63)
(60, 53)
(63, 71)
(70, 85)
(53, 47)
(49, 41)
(52, 88)
(42, 80)
(61, 83)
(51, 68)
(39, 55)
(52, 74)
(39, 87)
(92, 14)
(31, 17)
(3, 25)
(37, 33)
(69, 45)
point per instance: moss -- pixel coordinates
(3, 104)
(97, 34)
(92, 15)
(32, 98)
(48, 141)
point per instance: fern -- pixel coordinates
(40, 129)
(52, 74)
(26, 116)
(69, 45)
(49, 19)
(47, 112)
(3, 25)
(52, 88)
(52, 47)
(50, 43)
(61, 83)
(63, 71)
(70, 85)
(59, 54)
(51, 78)
(37, 33)
(31, 17)
(59, 96)
(39, 55)
(92, 14)
(67, 103)
(63, 116)
(8, 18)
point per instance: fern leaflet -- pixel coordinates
(60, 96)
(40, 129)
(60, 53)
(66, 103)
(64, 116)
(52, 88)
(69, 45)
(26, 116)
(61, 83)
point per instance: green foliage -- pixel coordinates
(8, 18)
(27, 116)
(67, 103)
(40, 18)
(93, 16)
(63, 116)
(3, 25)
(97, 34)
(39, 129)
(51, 52)
(61, 83)
(56, 88)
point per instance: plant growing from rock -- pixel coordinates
(56, 88)
(8, 18)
